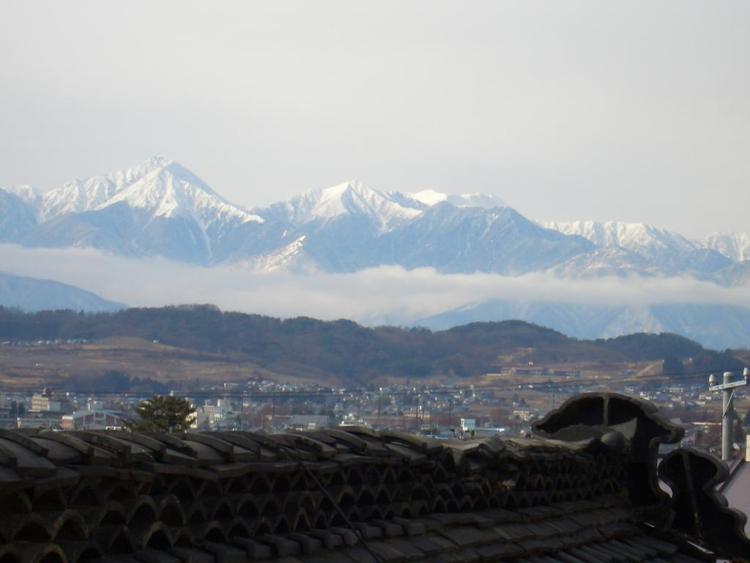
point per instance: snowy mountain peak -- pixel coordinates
(631, 236)
(24, 192)
(735, 246)
(429, 197)
(159, 186)
(85, 194)
(475, 199)
(350, 198)
(76, 196)
(134, 173)
(168, 189)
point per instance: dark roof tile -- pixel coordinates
(221, 497)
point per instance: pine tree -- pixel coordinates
(163, 413)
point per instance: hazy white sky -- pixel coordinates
(610, 110)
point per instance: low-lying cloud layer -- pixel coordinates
(385, 294)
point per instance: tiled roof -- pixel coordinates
(584, 489)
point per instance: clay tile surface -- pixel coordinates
(584, 488)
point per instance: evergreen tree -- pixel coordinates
(163, 413)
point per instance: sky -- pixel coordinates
(632, 110)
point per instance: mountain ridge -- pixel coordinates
(714, 326)
(32, 295)
(161, 208)
(352, 352)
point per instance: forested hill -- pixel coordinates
(348, 349)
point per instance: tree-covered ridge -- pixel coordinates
(345, 348)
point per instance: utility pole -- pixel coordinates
(727, 387)
(243, 413)
(380, 404)
(416, 413)
(450, 413)
(273, 410)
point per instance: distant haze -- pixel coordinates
(637, 111)
(387, 294)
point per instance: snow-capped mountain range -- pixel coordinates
(636, 248)
(160, 208)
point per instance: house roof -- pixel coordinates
(584, 488)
